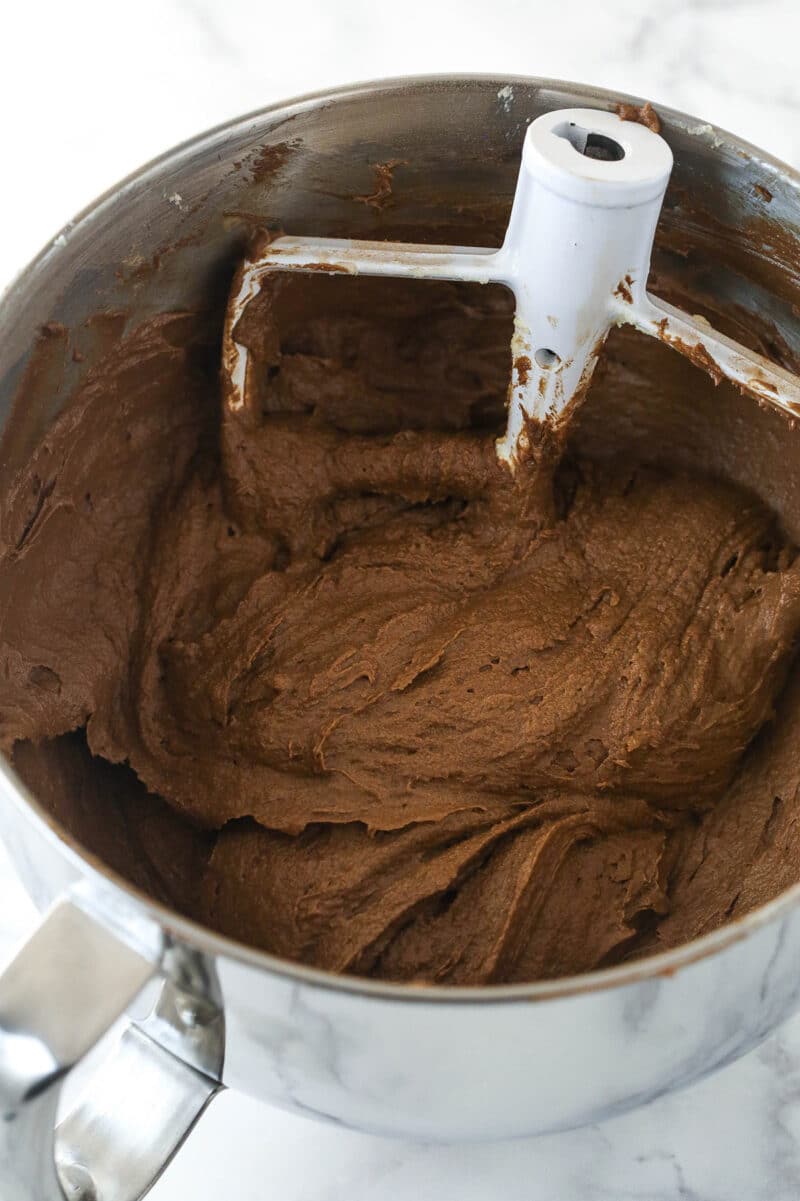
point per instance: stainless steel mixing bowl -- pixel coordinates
(430, 1062)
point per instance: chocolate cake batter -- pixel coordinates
(323, 675)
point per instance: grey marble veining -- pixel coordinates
(734, 1137)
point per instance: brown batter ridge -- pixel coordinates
(643, 114)
(325, 676)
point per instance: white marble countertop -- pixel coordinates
(88, 91)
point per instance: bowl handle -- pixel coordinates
(64, 990)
